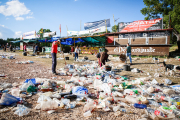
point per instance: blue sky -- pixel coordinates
(20, 16)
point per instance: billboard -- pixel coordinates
(97, 30)
(48, 34)
(29, 35)
(141, 25)
(96, 24)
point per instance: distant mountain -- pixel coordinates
(6, 33)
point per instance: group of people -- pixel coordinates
(35, 48)
(11, 48)
(102, 55)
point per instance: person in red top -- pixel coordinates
(54, 50)
(25, 48)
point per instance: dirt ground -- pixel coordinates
(41, 68)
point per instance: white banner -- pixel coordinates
(47, 34)
(29, 35)
(97, 30)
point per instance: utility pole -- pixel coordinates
(114, 23)
(106, 26)
(80, 25)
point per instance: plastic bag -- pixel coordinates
(8, 99)
(49, 105)
(167, 81)
(15, 91)
(25, 86)
(89, 106)
(154, 81)
(33, 80)
(31, 89)
(78, 90)
(21, 110)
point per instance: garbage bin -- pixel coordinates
(126, 67)
(37, 53)
(66, 58)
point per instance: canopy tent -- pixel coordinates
(99, 40)
(17, 41)
(70, 41)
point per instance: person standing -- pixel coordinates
(102, 56)
(5, 48)
(128, 53)
(36, 49)
(76, 52)
(11, 48)
(25, 48)
(54, 50)
(44, 50)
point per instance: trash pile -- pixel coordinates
(94, 88)
(24, 62)
(47, 56)
(7, 56)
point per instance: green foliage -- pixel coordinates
(2, 42)
(44, 30)
(41, 31)
(166, 8)
(115, 28)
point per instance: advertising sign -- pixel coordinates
(96, 24)
(29, 35)
(48, 34)
(141, 25)
(97, 30)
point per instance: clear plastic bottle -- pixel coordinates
(125, 111)
(87, 114)
(154, 103)
(116, 108)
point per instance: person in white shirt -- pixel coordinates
(76, 52)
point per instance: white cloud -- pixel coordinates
(29, 17)
(19, 18)
(18, 34)
(14, 8)
(75, 0)
(1, 36)
(2, 25)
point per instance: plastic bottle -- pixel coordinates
(87, 114)
(65, 101)
(125, 111)
(153, 116)
(154, 103)
(71, 105)
(116, 108)
(131, 99)
(140, 106)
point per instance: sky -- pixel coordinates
(21, 16)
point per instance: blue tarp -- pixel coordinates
(68, 41)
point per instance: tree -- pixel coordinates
(169, 9)
(41, 31)
(115, 28)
